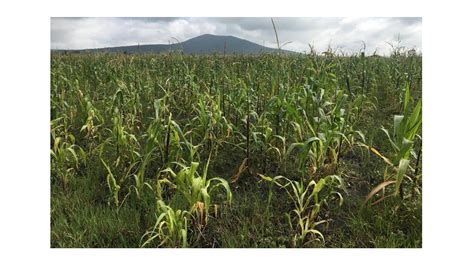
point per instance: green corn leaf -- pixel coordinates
(402, 168)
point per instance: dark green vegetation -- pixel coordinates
(236, 151)
(204, 44)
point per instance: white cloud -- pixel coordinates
(343, 33)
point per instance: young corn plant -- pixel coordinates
(116, 182)
(112, 184)
(164, 135)
(210, 124)
(121, 144)
(405, 130)
(262, 136)
(170, 229)
(308, 199)
(93, 120)
(198, 190)
(320, 152)
(65, 155)
(140, 178)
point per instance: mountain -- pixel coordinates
(204, 44)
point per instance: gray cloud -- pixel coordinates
(346, 34)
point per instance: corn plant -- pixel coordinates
(210, 125)
(93, 121)
(323, 148)
(197, 189)
(405, 129)
(112, 184)
(170, 229)
(65, 155)
(308, 200)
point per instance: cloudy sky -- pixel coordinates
(346, 34)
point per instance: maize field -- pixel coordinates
(236, 151)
